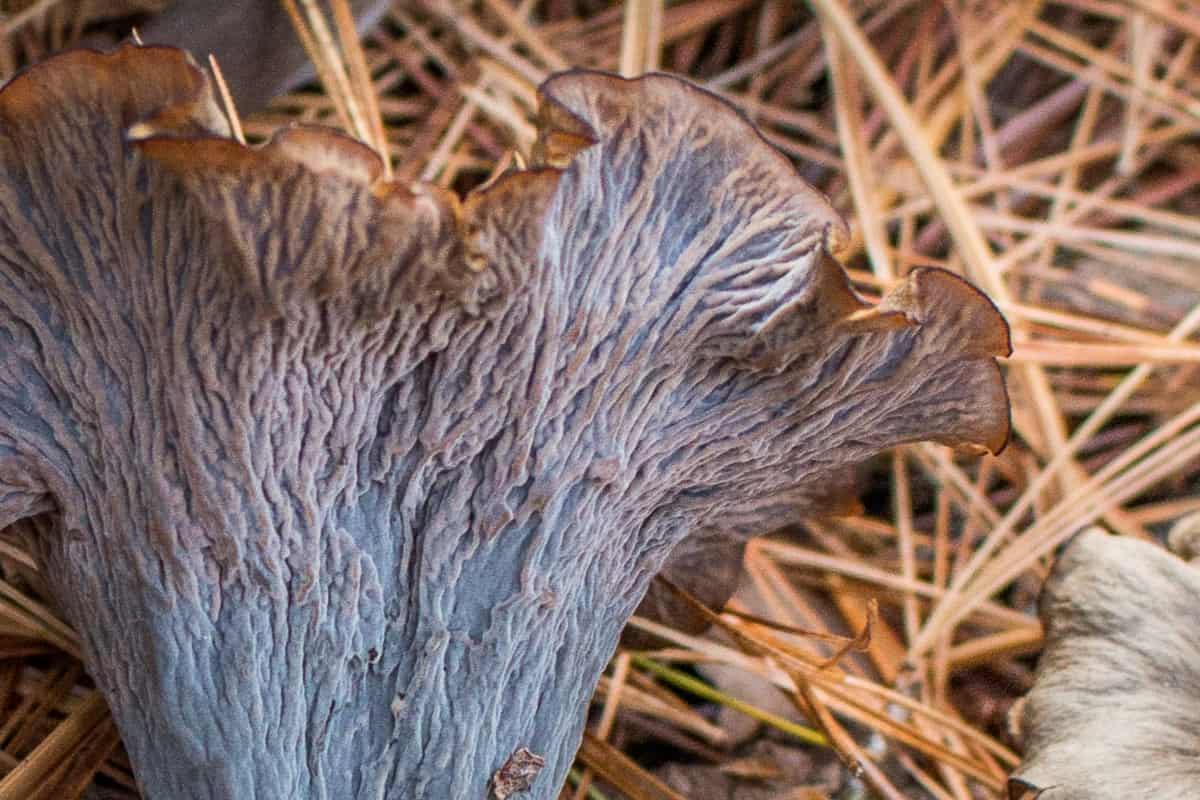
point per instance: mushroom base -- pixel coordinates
(326, 690)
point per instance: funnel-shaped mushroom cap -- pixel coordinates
(1115, 711)
(354, 484)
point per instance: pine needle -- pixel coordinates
(1051, 161)
(235, 121)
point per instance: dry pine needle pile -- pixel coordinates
(1047, 151)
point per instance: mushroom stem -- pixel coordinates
(354, 681)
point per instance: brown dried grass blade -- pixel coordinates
(621, 771)
(29, 776)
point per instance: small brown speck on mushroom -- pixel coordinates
(517, 774)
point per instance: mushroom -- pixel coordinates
(350, 486)
(1115, 708)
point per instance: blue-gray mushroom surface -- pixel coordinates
(350, 486)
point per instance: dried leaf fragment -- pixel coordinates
(517, 774)
(1115, 711)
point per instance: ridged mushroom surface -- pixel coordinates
(350, 486)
